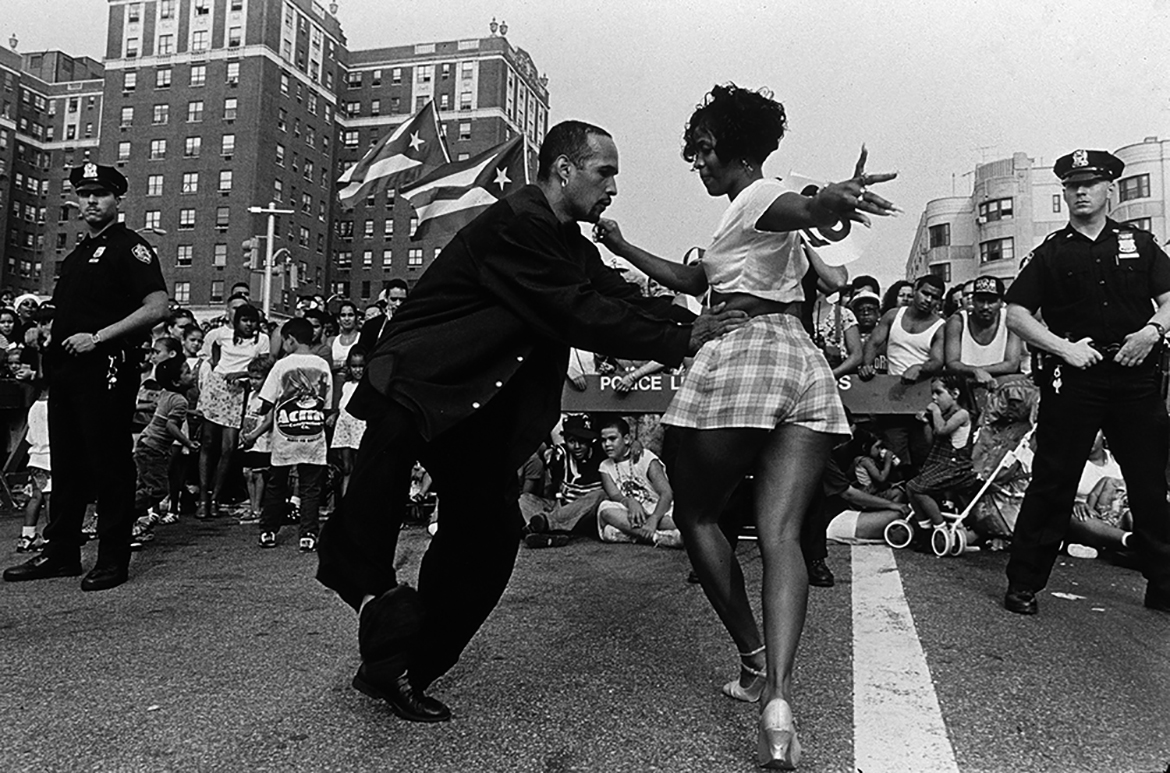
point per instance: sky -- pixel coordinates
(932, 88)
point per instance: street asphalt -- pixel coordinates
(221, 656)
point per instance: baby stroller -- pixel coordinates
(951, 537)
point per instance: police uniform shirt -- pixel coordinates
(1100, 289)
(104, 280)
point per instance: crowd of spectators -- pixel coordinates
(205, 424)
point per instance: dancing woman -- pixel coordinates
(759, 400)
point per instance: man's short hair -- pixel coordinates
(932, 280)
(865, 280)
(569, 139)
(397, 283)
(299, 330)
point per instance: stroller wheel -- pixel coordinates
(899, 533)
(959, 545)
(941, 541)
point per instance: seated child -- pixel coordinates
(639, 501)
(874, 469)
(152, 452)
(948, 466)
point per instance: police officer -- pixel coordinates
(1104, 291)
(109, 295)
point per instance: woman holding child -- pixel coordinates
(759, 400)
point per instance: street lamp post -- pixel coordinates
(272, 212)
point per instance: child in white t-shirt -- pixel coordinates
(257, 460)
(297, 395)
(40, 484)
(639, 501)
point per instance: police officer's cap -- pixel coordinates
(90, 175)
(1085, 165)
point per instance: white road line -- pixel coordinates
(898, 726)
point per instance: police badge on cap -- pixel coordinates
(91, 176)
(1086, 165)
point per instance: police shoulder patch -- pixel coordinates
(142, 252)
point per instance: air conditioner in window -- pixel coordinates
(983, 220)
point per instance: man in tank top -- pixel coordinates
(911, 337)
(978, 343)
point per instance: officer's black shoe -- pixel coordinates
(403, 698)
(105, 576)
(42, 567)
(389, 625)
(1022, 602)
(819, 575)
(1157, 600)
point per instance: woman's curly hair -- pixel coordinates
(746, 124)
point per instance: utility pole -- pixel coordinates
(272, 212)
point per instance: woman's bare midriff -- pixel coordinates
(754, 306)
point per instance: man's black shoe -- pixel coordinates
(42, 567)
(819, 574)
(1022, 602)
(403, 699)
(104, 577)
(389, 625)
(1157, 600)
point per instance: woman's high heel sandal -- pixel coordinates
(778, 747)
(755, 688)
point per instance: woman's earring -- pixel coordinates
(747, 167)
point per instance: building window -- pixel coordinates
(387, 258)
(1056, 202)
(414, 257)
(353, 109)
(465, 100)
(195, 111)
(216, 291)
(129, 81)
(279, 154)
(1144, 223)
(166, 45)
(996, 209)
(368, 229)
(222, 217)
(127, 116)
(940, 235)
(154, 185)
(368, 259)
(124, 151)
(353, 79)
(396, 75)
(376, 107)
(186, 219)
(388, 228)
(190, 182)
(199, 40)
(997, 249)
(344, 259)
(162, 114)
(277, 190)
(131, 48)
(158, 149)
(185, 254)
(198, 75)
(225, 180)
(233, 72)
(166, 9)
(153, 219)
(229, 108)
(425, 72)
(465, 130)
(182, 293)
(350, 138)
(162, 78)
(1136, 187)
(219, 256)
(234, 37)
(306, 204)
(413, 224)
(282, 119)
(229, 145)
(134, 13)
(192, 146)
(942, 271)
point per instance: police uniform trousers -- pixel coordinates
(1127, 404)
(469, 560)
(91, 408)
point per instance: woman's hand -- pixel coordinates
(851, 198)
(608, 234)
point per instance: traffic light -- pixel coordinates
(251, 252)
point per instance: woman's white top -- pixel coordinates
(744, 259)
(233, 357)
